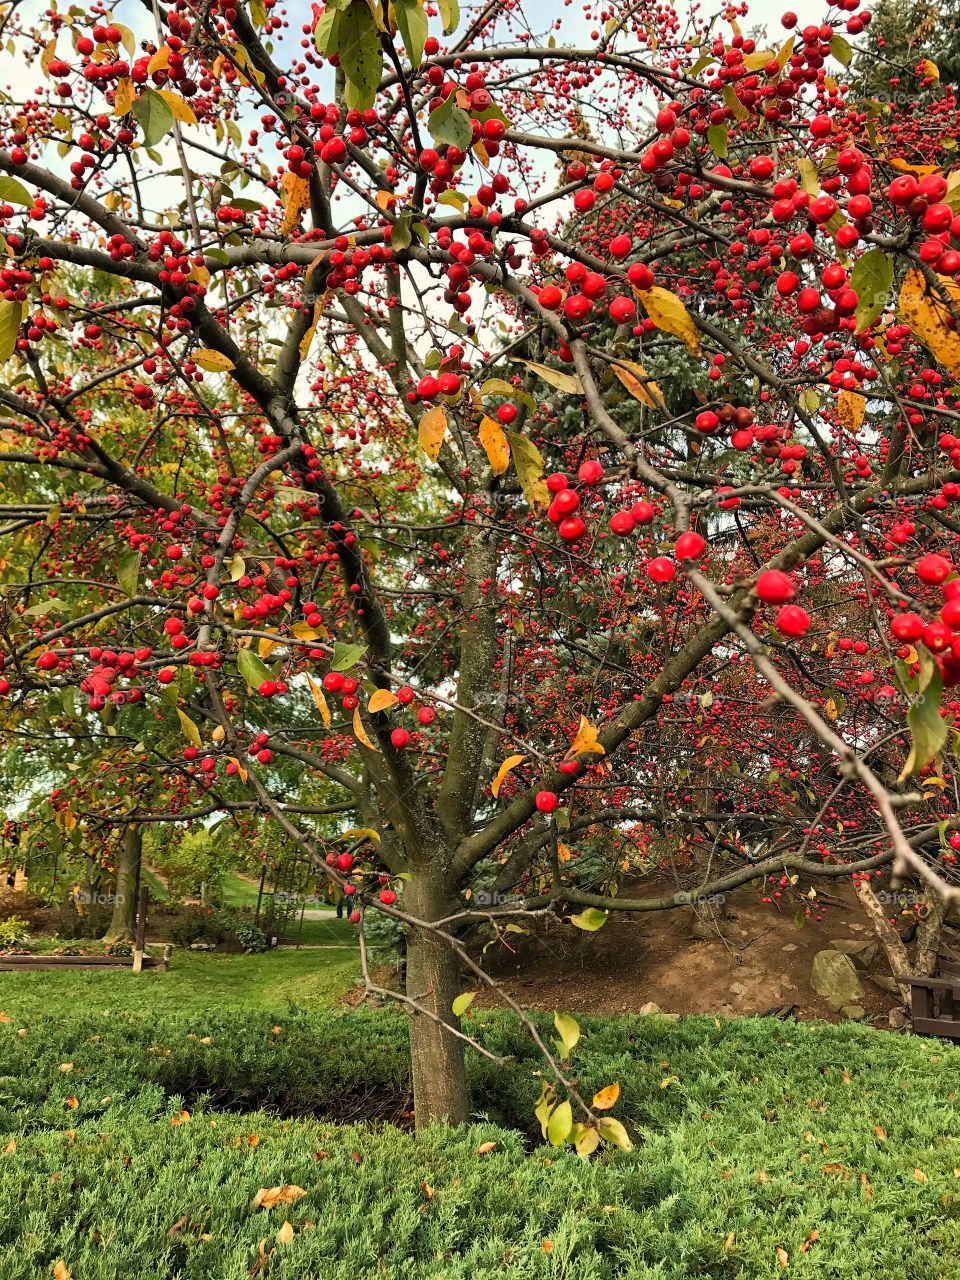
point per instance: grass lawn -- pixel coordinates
(311, 978)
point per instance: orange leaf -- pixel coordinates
(295, 193)
(496, 445)
(268, 1197)
(511, 762)
(432, 429)
(586, 740)
(359, 732)
(606, 1098)
(320, 700)
(382, 699)
(72, 1103)
(61, 1271)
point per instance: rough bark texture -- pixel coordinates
(929, 935)
(123, 920)
(887, 936)
(433, 980)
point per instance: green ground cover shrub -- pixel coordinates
(750, 1136)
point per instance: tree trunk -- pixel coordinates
(887, 936)
(929, 934)
(123, 921)
(433, 980)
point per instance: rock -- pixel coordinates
(737, 989)
(862, 951)
(835, 978)
(884, 982)
(898, 1019)
(650, 1007)
(791, 946)
(855, 1012)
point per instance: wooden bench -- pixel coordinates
(935, 1002)
(41, 961)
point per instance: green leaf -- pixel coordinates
(463, 1002)
(358, 44)
(841, 49)
(326, 32)
(590, 920)
(871, 277)
(412, 23)
(560, 1124)
(928, 729)
(613, 1131)
(569, 1031)
(450, 15)
(718, 138)
(346, 656)
(128, 571)
(154, 117)
(11, 313)
(252, 669)
(400, 233)
(43, 608)
(451, 125)
(500, 387)
(14, 192)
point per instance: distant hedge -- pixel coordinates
(833, 1150)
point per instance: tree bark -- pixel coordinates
(433, 981)
(887, 936)
(123, 920)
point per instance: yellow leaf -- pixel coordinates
(496, 445)
(190, 730)
(5, 1017)
(830, 709)
(485, 1148)
(268, 1197)
(307, 338)
(360, 831)
(851, 409)
(586, 740)
(920, 1175)
(10, 1147)
(266, 646)
(669, 314)
(218, 734)
(529, 465)
(212, 361)
(930, 69)
(66, 1066)
(755, 61)
(181, 109)
(295, 194)
(927, 315)
(919, 170)
(783, 1258)
(511, 762)
(433, 427)
(285, 1234)
(385, 199)
(240, 769)
(606, 1098)
(568, 382)
(72, 1103)
(640, 385)
(382, 699)
(304, 632)
(359, 732)
(49, 53)
(320, 700)
(160, 60)
(182, 1117)
(124, 97)
(61, 1271)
